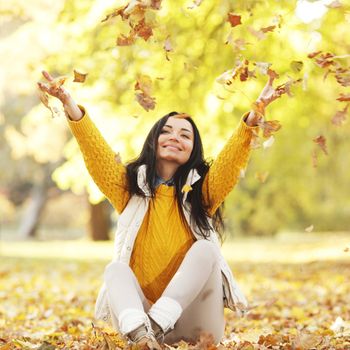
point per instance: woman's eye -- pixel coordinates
(164, 131)
(186, 136)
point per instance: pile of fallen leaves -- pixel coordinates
(49, 304)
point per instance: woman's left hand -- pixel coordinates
(267, 95)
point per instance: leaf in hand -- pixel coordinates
(79, 77)
(56, 83)
(321, 141)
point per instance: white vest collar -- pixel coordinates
(192, 177)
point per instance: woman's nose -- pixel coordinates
(174, 136)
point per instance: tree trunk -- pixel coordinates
(100, 221)
(31, 219)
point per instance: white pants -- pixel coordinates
(196, 286)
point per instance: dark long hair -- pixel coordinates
(198, 209)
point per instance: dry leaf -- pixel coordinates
(296, 66)
(344, 97)
(234, 19)
(261, 176)
(79, 77)
(268, 29)
(340, 116)
(321, 141)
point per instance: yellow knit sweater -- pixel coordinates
(163, 238)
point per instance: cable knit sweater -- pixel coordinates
(163, 238)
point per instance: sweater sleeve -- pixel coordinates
(225, 170)
(100, 160)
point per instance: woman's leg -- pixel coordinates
(126, 299)
(197, 290)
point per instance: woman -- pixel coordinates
(168, 280)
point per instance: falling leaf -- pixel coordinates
(296, 66)
(79, 77)
(144, 83)
(143, 30)
(269, 127)
(313, 54)
(344, 97)
(234, 19)
(125, 40)
(261, 176)
(340, 116)
(146, 101)
(321, 141)
(343, 76)
(268, 29)
(309, 228)
(346, 249)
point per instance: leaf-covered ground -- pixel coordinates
(48, 304)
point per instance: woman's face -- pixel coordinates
(175, 141)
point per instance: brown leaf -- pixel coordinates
(146, 101)
(269, 127)
(267, 29)
(313, 54)
(325, 60)
(234, 19)
(344, 97)
(79, 77)
(143, 30)
(125, 40)
(321, 141)
(340, 116)
(343, 76)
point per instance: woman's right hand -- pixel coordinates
(57, 90)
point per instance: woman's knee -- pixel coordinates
(205, 249)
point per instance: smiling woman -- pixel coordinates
(168, 280)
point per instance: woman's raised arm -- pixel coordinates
(103, 164)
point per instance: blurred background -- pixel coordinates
(291, 188)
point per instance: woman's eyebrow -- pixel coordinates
(184, 129)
